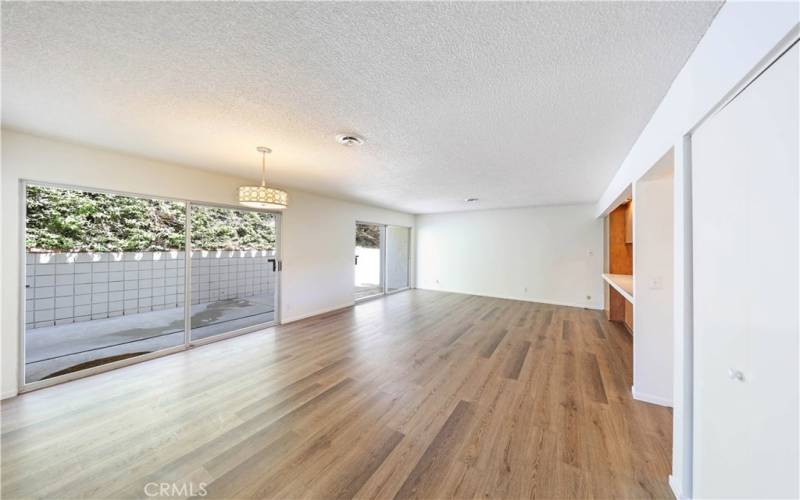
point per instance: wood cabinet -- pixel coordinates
(628, 317)
(620, 262)
(620, 253)
(629, 223)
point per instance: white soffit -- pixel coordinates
(513, 103)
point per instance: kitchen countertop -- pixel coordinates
(623, 283)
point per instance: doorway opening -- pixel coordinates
(381, 261)
(369, 260)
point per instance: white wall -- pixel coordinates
(652, 285)
(682, 342)
(319, 236)
(746, 196)
(743, 38)
(742, 34)
(7, 388)
(554, 252)
(318, 233)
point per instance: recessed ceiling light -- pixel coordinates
(470, 200)
(349, 140)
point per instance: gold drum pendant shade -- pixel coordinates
(263, 196)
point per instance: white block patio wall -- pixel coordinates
(368, 270)
(64, 288)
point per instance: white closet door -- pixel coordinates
(745, 238)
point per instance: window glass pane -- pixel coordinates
(104, 278)
(368, 260)
(397, 251)
(234, 269)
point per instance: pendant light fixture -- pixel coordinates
(263, 196)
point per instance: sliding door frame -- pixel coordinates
(382, 251)
(386, 290)
(187, 342)
(278, 263)
(385, 260)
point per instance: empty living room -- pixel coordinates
(385, 250)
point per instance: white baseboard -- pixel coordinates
(316, 313)
(650, 398)
(9, 394)
(595, 307)
(676, 489)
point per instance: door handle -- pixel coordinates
(356, 259)
(274, 267)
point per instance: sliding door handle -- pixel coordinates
(274, 267)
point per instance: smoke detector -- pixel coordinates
(349, 140)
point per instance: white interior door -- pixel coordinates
(745, 238)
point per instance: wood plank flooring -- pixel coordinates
(417, 395)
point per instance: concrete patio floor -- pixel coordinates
(59, 349)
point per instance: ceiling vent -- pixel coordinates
(349, 140)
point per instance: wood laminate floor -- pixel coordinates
(419, 394)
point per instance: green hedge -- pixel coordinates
(368, 236)
(68, 220)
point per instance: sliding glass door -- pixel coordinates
(106, 277)
(398, 240)
(381, 259)
(369, 263)
(234, 269)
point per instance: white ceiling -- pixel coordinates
(514, 103)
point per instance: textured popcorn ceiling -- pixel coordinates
(514, 103)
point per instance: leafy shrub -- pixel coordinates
(225, 229)
(368, 236)
(68, 220)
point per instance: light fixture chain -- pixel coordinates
(263, 169)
